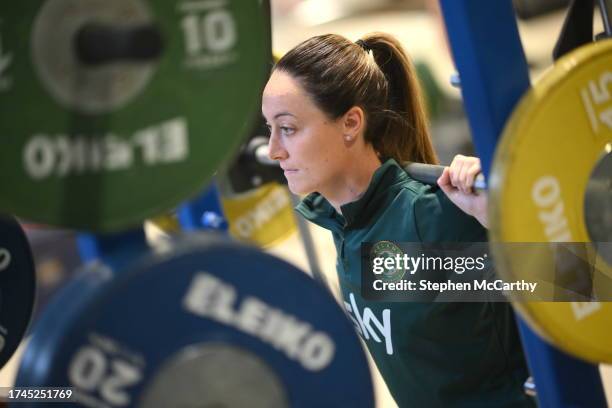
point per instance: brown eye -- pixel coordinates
(287, 131)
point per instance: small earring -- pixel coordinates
(347, 138)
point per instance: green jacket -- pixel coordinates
(429, 354)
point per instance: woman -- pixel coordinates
(342, 115)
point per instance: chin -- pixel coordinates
(298, 189)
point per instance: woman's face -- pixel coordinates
(309, 146)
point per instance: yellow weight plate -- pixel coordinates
(263, 216)
(167, 222)
(552, 152)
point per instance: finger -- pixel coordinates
(444, 181)
(463, 176)
(472, 172)
(454, 169)
(449, 191)
(469, 173)
(476, 162)
(444, 178)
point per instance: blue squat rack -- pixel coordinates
(493, 73)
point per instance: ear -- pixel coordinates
(353, 123)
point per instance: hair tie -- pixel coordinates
(363, 45)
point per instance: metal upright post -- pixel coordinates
(117, 250)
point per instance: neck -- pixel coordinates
(354, 181)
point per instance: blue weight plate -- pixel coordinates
(207, 322)
(17, 286)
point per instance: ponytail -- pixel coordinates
(406, 135)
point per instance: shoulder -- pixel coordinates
(436, 218)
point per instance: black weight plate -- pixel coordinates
(17, 286)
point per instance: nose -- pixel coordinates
(276, 151)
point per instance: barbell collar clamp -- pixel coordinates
(98, 44)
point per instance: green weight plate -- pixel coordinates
(115, 110)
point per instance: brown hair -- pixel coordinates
(339, 74)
